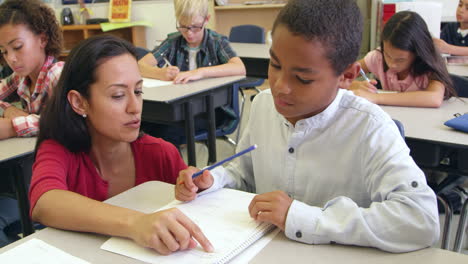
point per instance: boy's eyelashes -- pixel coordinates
(301, 80)
(276, 66)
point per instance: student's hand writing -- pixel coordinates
(364, 85)
(186, 188)
(168, 231)
(12, 112)
(372, 97)
(271, 207)
(185, 77)
(170, 72)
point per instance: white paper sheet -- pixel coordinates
(35, 251)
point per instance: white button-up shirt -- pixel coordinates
(348, 170)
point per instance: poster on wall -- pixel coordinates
(120, 10)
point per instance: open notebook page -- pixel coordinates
(224, 219)
(148, 83)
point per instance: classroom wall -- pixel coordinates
(159, 12)
(449, 8)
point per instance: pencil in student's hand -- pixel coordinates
(363, 74)
(240, 153)
(167, 62)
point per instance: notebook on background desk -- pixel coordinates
(224, 219)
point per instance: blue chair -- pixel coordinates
(400, 127)
(247, 34)
(228, 128)
(460, 84)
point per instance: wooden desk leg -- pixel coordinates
(447, 223)
(461, 227)
(22, 197)
(190, 134)
(211, 129)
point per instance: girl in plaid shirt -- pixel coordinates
(31, 40)
(29, 43)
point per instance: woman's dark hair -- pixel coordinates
(58, 120)
(407, 31)
(336, 24)
(38, 17)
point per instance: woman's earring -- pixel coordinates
(84, 115)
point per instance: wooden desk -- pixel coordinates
(430, 141)
(256, 58)
(180, 103)
(281, 250)
(13, 151)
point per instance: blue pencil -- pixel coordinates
(363, 74)
(225, 160)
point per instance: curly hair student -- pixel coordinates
(30, 44)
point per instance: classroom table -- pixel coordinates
(179, 103)
(256, 58)
(280, 250)
(430, 141)
(13, 152)
(460, 70)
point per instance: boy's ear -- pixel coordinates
(78, 103)
(349, 74)
(208, 18)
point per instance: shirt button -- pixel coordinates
(298, 234)
(291, 150)
(414, 184)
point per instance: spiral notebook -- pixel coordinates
(224, 219)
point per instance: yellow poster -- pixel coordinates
(120, 10)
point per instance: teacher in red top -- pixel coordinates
(90, 148)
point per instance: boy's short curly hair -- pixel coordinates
(38, 17)
(337, 24)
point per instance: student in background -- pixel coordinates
(377, 196)
(194, 52)
(454, 36)
(90, 148)
(406, 62)
(30, 42)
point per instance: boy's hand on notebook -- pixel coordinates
(271, 207)
(186, 188)
(168, 231)
(185, 77)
